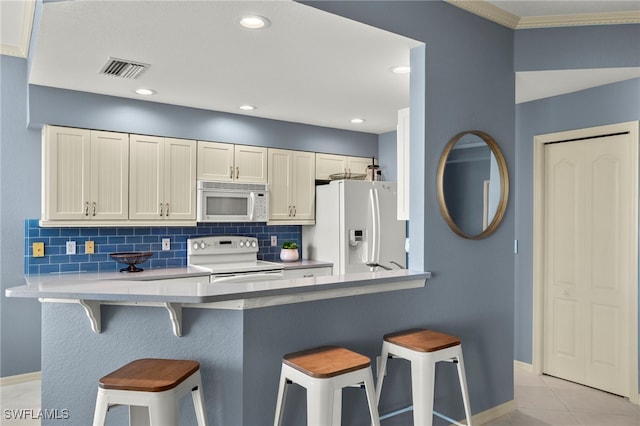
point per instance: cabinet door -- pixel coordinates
(329, 164)
(279, 172)
(65, 176)
(250, 164)
(180, 179)
(215, 161)
(358, 165)
(146, 184)
(303, 185)
(109, 176)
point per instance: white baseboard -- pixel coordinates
(20, 378)
(523, 366)
(493, 413)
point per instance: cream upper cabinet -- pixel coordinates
(358, 165)
(331, 164)
(291, 186)
(225, 162)
(162, 179)
(85, 174)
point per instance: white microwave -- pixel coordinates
(232, 202)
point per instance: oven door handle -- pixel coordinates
(248, 277)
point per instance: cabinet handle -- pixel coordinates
(230, 172)
(294, 210)
(93, 213)
(86, 208)
(161, 209)
(237, 172)
(289, 211)
(167, 212)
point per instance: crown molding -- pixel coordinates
(23, 11)
(611, 18)
(493, 13)
(488, 11)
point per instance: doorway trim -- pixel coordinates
(539, 141)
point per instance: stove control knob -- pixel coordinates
(254, 244)
(241, 243)
(196, 246)
(202, 244)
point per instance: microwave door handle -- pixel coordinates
(252, 205)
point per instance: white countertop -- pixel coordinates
(108, 288)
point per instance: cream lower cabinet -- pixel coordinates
(291, 186)
(163, 179)
(85, 175)
(332, 164)
(224, 162)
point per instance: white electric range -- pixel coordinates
(231, 259)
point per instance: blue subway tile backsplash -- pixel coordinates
(126, 239)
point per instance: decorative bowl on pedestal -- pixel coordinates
(132, 259)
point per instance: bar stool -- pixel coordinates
(152, 389)
(324, 371)
(424, 348)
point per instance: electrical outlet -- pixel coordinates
(89, 247)
(166, 244)
(71, 247)
(38, 249)
(274, 241)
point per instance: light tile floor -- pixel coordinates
(540, 401)
(20, 404)
(546, 400)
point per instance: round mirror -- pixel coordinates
(473, 184)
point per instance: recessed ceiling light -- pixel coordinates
(254, 22)
(146, 92)
(357, 120)
(247, 107)
(400, 69)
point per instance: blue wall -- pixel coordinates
(466, 81)
(613, 103)
(563, 48)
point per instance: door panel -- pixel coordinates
(588, 227)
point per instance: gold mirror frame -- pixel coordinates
(504, 185)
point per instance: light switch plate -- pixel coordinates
(71, 247)
(89, 247)
(38, 249)
(166, 244)
(274, 241)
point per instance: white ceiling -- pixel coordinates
(308, 66)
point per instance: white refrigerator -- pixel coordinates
(356, 227)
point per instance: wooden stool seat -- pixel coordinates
(326, 361)
(422, 340)
(152, 389)
(150, 375)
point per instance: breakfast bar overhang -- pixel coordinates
(238, 333)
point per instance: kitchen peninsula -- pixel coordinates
(237, 331)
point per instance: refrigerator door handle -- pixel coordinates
(375, 212)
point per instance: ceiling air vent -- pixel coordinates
(123, 68)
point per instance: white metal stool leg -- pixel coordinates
(463, 387)
(382, 370)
